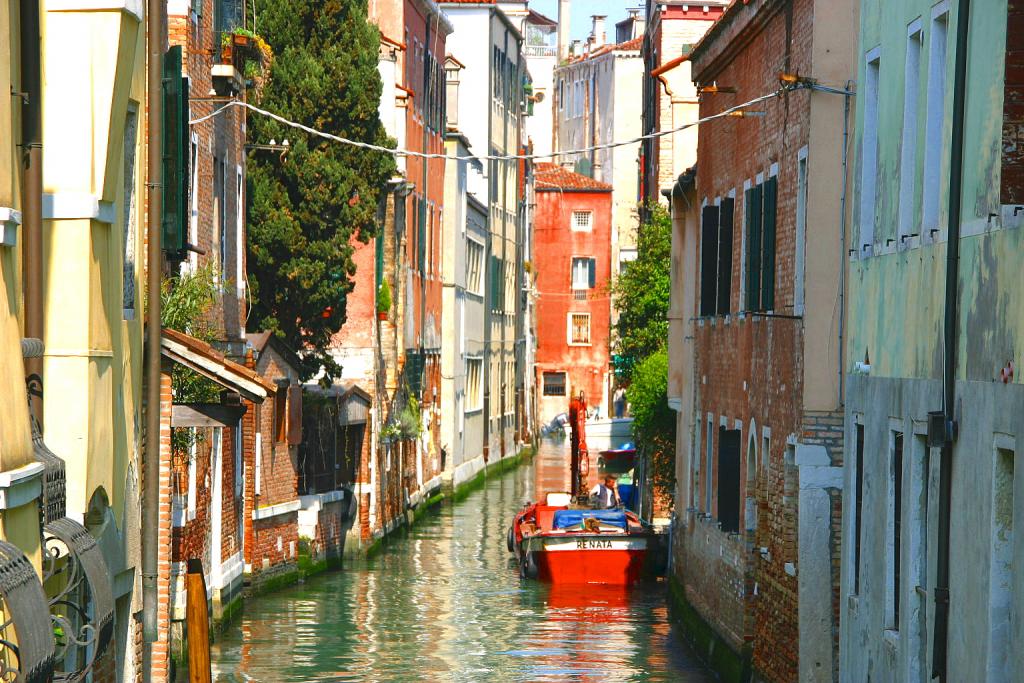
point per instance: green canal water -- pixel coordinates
(443, 601)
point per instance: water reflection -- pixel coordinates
(445, 602)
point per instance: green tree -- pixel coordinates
(306, 207)
(654, 422)
(641, 295)
(185, 304)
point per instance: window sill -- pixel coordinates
(892, 639)
(473, 411)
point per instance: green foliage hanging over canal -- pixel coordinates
(641, 295)
(306, 206)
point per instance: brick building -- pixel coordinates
(272, 485)
(669, 98)
(572, 233)
(759, 468)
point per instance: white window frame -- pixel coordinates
(935, 122)
(474, 390)
(239, 233)
(577, 226)
(569, 328)
(908, 151)
(869, 152)
(802, 181)
(574, 284)
(475, 267)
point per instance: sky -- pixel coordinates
(581, 11)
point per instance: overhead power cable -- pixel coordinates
(731, 111)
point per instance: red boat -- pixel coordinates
(566, 541)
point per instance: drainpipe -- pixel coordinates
(842, 237)
(939, 651)
(154, 269)
(32, 193)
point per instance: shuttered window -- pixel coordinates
(725, 221)
(768, 246)
(760, 208)
(708, 260)
(752, 204)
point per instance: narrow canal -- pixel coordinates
(444, 602)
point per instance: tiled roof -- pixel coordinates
(634, 44)
(553, 177)
(211, 363)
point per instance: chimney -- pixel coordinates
(576, 49)
(451, 69)
(597, 36)
(564, 7)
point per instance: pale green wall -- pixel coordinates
(895, 298)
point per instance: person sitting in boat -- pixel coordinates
(605, 495)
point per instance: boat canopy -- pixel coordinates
(565, 519)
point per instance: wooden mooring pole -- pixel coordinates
(197, 623)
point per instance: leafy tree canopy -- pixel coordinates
(654, 422)
(305, 207)
(641, 295)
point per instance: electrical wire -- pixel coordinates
(491, 157)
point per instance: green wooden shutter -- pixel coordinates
(592, 267)
(768, 248)
(753, 212)
(175, 143)
(708, 260)
(725, 255)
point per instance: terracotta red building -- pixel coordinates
(572, 248)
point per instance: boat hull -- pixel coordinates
(585, 558)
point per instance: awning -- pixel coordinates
(199, 356)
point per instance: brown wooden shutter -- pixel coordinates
(294, 415)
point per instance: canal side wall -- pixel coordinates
(730, 665)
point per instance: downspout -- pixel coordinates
(154, 270)
(939, 650)
(842, 238)
(32, 195)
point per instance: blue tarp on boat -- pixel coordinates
(565, 519)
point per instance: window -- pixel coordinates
(280, 414)
(716, 258)
(131, 125)
(258, 464)
(1000, 586)
(579, 329)
(626, 256)
(474, 266)
(583, 273)
(561, 94)
(869, 155)
(709, 452)
(917, 538)
(935, 114)
(894, 547)
(801, 232)
(474, 372)
(760, 203)
(554, 384)
(729, 479)
(239, 234)
(708, 260)
(220, 215)
(194, 202)
(497, 282)
(858, 505)
(750, 503)
(581, 220)
(190, 507)
(908, 151)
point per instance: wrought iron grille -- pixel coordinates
(81, 599)
(53, 504)
(26, 636)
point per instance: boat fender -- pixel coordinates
(511, 540)
(529, 566)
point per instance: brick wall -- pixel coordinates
(750, 368)
(160, 661)
(275, 543)
(221, 139)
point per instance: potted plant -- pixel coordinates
(383, 300)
